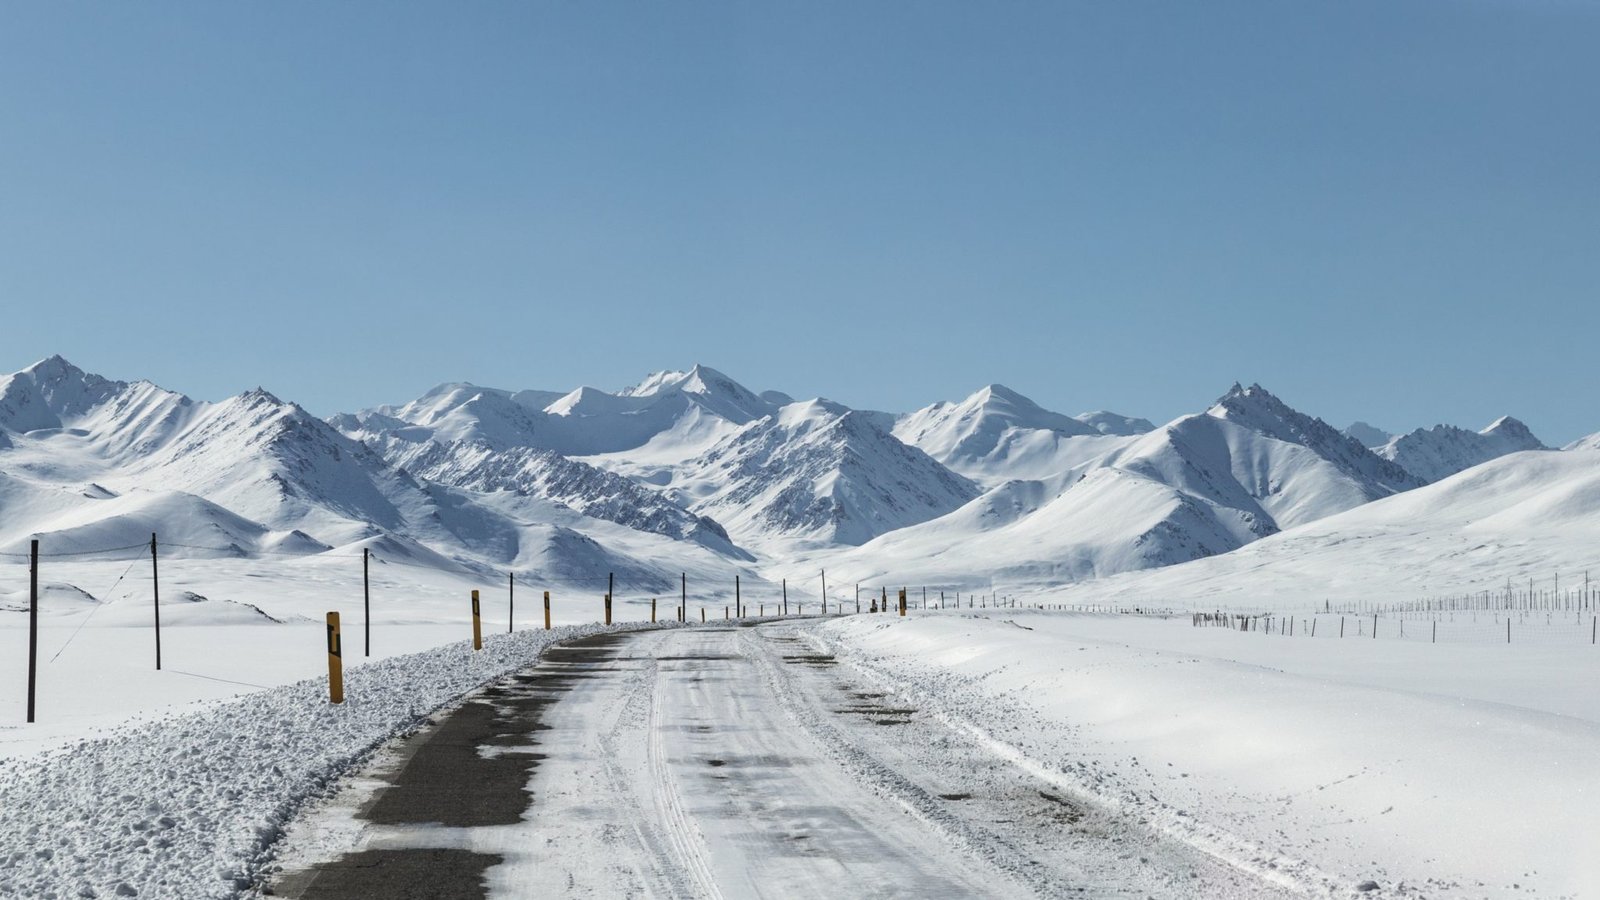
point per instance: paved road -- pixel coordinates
(722, 762)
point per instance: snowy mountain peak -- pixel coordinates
(260, 396)
(1513, 429)
(711, 388)
(1110, 423)
(1258, 410)
(1370, 436)
(49, 393)
(995, 430)
(54, 367)
(818, 470)
(999, 393)
(1240, 397)
(1436, 453)
(700, 379)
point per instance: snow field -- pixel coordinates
(231, 626)
(1429, 770)
(191, 805)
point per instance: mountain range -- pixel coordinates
(693, 472)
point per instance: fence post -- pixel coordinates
(511, 602)
(1374, 626)
(366, 600)
(477, 624)
(608, 609)
(1508, 629)
(652, 610)
(1341, 626)
(546, 610)
(786, 596)
(335, 661)
(155, 585)
(33, 623)
(738, 598)
(1435, 638)
(902, 603)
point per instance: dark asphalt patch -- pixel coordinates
(816, 660)
(447, 779)
(404, 875)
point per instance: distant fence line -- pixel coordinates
(775, 594)
(1511, 598)
(1451, 628)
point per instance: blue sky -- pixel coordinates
(1381, 210)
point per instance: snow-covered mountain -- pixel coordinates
(1526, 514)
(94, 463)
(1115, 424)
(997, 435)
(591, 491)
(1436, 453)
(818, 471)
(669, 417)
(691, 471)
(1370, 436)
(1204, 484)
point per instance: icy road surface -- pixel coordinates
(716, 762)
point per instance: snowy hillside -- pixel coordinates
(91, 463)
(1443, 450)
(1113, 423)
(1523, 515)
(821, 472)
(1199, 486)
(584, 488)
(997, 434)
(678, 414)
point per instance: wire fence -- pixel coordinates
(1510, 597)
(1466, 627)
(765, 599)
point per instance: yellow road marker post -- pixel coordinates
(477, 624)
(335, 661)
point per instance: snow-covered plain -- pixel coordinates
(1456, 770)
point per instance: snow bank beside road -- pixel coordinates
(1428, 769)
(190, 806)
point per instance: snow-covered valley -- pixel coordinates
(692, 489)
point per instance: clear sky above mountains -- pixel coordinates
(1380, 210)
